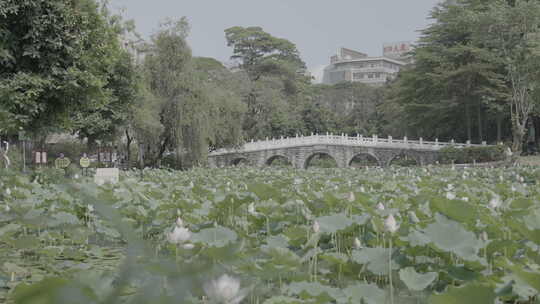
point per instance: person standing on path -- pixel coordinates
(85, 163)
(62, 162)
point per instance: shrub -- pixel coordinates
(472, 154)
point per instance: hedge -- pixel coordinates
(469, 155)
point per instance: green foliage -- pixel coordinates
(469, 155)
(473, 74)
(67, 243)
(58, 66)
(262, 53)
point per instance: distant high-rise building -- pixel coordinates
(353, 66)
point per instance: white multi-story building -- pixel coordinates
(352, 66)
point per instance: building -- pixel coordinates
(352, 66)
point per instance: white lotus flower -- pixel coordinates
(450, 195)
(450, 187)
(380, 206)
(8, 191)
(316, 227)
(90, 208)
(179, 222)
(251, 209)
(7, 208)
(390, 224)
(188, 246)
(225, 290)
(495, 202)
(362, 189)
(357, 243)
(179, 235)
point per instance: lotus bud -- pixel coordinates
(380, 206)
(413, 218)
(513, 188)
(357, 243)
(390, 224)
(362, 189)
(484, 236)
(7, 208)
(351, 197)
(8, 192)
(316, 227)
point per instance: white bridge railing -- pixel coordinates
(343, 140)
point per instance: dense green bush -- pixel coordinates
(472, 154)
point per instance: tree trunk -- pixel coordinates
(480, 135)
(499, 120)
(468, 118)
(518, 132)
(128, 147)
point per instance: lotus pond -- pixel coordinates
(397, 235)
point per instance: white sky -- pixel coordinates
(317, 27)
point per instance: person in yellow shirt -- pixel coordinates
(85, 163)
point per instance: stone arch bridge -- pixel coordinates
(343, 149)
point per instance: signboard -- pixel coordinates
(62, 163)
(40, 157)
(396, 49)
(106, 175)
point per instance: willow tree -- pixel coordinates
(194, 113)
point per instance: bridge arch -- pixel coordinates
(325, 155)
(278, 157)
(239, 161)
(365, 159)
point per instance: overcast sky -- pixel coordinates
(317, 27)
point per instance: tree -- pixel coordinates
(451, 79)
(56, 59)
(511, 30)
(263, 54)
(276, 79)
(224, 90)
(198, 105)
